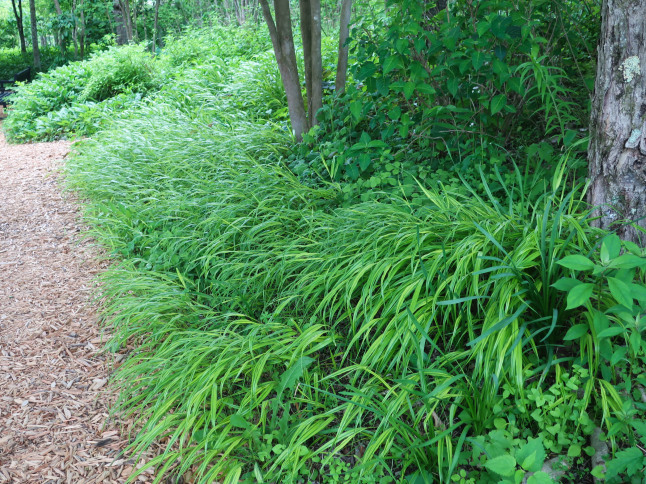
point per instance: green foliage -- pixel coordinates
(452, 331)
(82, 97)
(120, 70)
(13, 61)
(295, 337)
(440, 98)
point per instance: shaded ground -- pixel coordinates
(53, 400)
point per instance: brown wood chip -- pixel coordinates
(54, 391)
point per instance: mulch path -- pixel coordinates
(54, 397)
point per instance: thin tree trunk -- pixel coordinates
(82, 43)
(75, 31)
(344, 34)
(156, 26)
(34, 35)
(60, 38)
(306, 37)
(17, 12)
(315, 100)
(617, 151)
(282, 39)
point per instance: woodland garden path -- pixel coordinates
(53, 392)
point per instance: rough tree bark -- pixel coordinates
(121, 27)
(344, 33)
(17, 12)
(34, 35)
(617, 152)
(282, 39)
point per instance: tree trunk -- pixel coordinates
(34, 35)
(156, 26)
(120, 23)
(17, 12)
(344, 34)
(306, 38)
(282, 39)
(617, 151)
(60, 36)
(315, 98)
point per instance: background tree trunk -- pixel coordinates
(62, 45)
(156, 26)
(120, 23)
(617, 151)
(315, 98)
(34, 35)
(344, 33)
(17, 12)
(282, 39)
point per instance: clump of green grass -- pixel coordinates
(275, 329)
(280, 337)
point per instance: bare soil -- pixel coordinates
(54, 397)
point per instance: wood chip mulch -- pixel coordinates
(54, 397)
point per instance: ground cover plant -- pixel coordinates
(13, 61)
(281, 329)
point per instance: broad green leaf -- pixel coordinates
(575, 332)
(610, 332)
(533, 447)
(497, 103)
(409, 88)
(483, 27)
(576, 262)
(452, 86)
(638, 291)
(355, 109)
(503, 465)
(610, 248)
(424, 88)
(394, 113)
(364, 161)
(566, 284)
(291, 376)
(579, 295)
(598, 472)
(366, 70)
(629, 461)
(529, 461)
(477, 59)
(627, 261)
(239, 421)
(621, 292)
(540, 477)
(618, 355)
(391, 63)
(574, 450)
